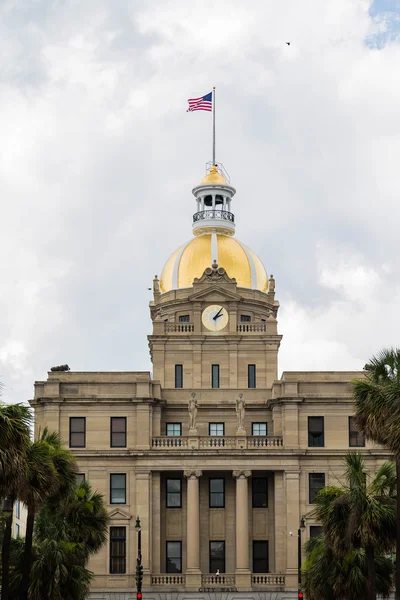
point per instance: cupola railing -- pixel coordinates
(204, 215)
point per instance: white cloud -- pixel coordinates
(98, 159)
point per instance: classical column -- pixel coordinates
(144, 512)
(156, 522)
(243, 573)
(193, 573)
(292, 496)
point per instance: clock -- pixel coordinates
(215, 317)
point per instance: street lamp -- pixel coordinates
(7, 507)
(139, 568)
(300, 529)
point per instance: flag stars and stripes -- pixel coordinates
(202, 103)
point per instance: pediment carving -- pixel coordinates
(119, 515)
(215, 285)
(215, 274)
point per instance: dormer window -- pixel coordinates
(245, 318)
(184, 318)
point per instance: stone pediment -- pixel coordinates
(215, 284)
(215, 293)
(119, 515)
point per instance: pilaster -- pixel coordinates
(156, 521)
(193, 572)
(242, 572)
(143, 510)
(292, 493)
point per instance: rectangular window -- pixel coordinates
(316, 432)
(184, 319)
(216, 429)
(179, 376)
(260, 557)
(174, 557)
(174, 493)
(245, 318)
(79, 479)
(118, 488)
(118, 550)
(251, 376)
(356, 439)
(217, 493)
(260, 429)
(215, 376)
(118, 432)
(77, 432)
(316, 483)
(174, 429)
(16, 530)
(260, 492)
(217, 557)
(17, 509)
(315, 530)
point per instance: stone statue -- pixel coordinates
(156, 285)
(60, 368)
(240, 410)
(193, 406)
(271, 284)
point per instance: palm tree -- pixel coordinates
(50, 474)
(377, 401)
(328, 576)
(15, 421)
(360, 516)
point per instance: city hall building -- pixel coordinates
(218, 457)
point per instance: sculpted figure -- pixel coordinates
(271, 284)
(193, 406)
(240, 410)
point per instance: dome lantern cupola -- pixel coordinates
(213, 197)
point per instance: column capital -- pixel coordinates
(238, 474)
(192, 474)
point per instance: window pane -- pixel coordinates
(260, 492)
(259, 429)
(356, 439)
(174, 429)
(117, 550)
(251, 369)
(315, 531)
(118, 488)
(216, 429)
(215, 376)
(79, 479)
(217, 557)
(77, 427)
(178, 376)
(260, 557)
(245, 318)
(184, 318)
(217, 495)
(174, 496)
(316, 431)
(174, 557)
(316, 483)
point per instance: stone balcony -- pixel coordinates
(211, 581)
(216, 442)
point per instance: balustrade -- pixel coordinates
(178, 327)
(224, 215)
(218, 580)
(269, 579)
(172, 580)
(264, 442)
(215, 442)
(251, 327)
(169, 442)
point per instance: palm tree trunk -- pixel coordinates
(371, 577)
(5, 559)
(26, 568)
(398, 530)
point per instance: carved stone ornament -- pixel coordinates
(238, 474)
(215, 274)
(240, 411)
(192, 408)
(190, 474)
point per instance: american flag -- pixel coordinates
(202, 103)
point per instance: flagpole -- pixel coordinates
(213, 153)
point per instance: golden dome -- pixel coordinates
(191, 260)
(214, 178)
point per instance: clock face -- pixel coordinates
(215, 317)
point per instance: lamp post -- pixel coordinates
(139, 568)
(300, 529)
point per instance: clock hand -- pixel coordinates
(218, 316)
(215, 317)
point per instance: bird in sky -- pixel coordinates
(288, 43)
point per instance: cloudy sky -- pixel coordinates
(98, 158)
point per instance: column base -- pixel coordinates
(243, 579)
(193, 579)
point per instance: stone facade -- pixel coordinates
(269, 441)
(218, 457)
